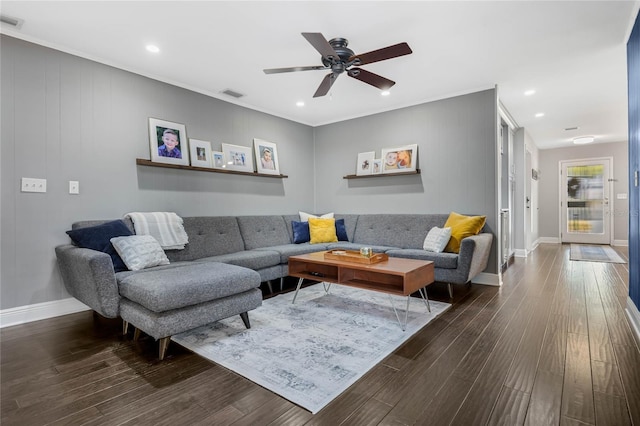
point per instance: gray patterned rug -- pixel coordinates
(310, 352)
(595, 253)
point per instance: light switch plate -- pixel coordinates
(74, 187)
(621, 196)
(33, 185)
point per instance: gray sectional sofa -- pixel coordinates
(218, 273)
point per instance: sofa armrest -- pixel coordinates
(482, 250)
(88, 275)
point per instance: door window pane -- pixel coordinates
(585, 195)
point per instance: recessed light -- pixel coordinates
(529, 92)
(540, 114)
(153, 48)
(300, 104)
(385, 93)
(583, 139)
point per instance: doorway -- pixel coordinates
(584, 204)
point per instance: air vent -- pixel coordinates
(14, 22)
(232, 93)
(571, 128)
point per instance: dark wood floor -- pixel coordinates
(551, 346)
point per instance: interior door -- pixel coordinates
(585, 207)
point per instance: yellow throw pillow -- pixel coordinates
(322, 230)
(461, 227)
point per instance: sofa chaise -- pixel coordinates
(218, 273)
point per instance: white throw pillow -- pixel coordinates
(437, 239)
(140, 251)
(304, 217)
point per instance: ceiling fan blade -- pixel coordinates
(292, 69)
(326, 84)
(321, 44)
(389, 52)
(371, 78)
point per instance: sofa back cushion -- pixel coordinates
(209, 236)
(263, 231)
(396, 230)
(350, 221)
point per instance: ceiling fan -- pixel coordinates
(338, 58)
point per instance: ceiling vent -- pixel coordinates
(232, 93)
(14, 22)
(571, 128)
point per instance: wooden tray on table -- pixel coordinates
(355, 256)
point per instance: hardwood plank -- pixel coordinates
(629, 364)
(611, 410)
(369, 414)
(511, 408)
(577, 393)
(554, 346)
(606, 378)
(545, 402)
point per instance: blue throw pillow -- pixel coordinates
(98, 238)
(300, 232)
(341, 230)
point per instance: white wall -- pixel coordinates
(550, 190)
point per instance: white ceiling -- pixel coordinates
(573, 53)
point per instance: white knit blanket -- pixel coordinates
(166, 227)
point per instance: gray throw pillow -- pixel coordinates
(140, 251)
(437, 239)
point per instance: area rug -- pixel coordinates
(310, 352)
(595, 253)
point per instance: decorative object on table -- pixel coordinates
(237, 158)
(311, 352)
(200, 153)
(377, 166)
(168, 142)
(401, 159)
(217, 160)
(595, 253)
(266, 157)
(356, 256)
(364, 166)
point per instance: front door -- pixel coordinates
(585, 208)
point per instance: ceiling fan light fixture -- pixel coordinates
(152, 48)
(583, 140)
(300, 104)
(529, 92)
(385, 93)
(540, 114)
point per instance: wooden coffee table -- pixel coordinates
(396, 276)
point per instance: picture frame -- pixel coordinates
(237, 158)
(175, 136)
(377, 166)
(217, 160)
(200, 153)
(364, 166)
(266, 157)
(400, 160)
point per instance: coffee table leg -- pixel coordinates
(326, 287)
(425, 298)
(406, 312)
(297, 290)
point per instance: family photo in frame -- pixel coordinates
(168, 142)
(266, 157)
(400, 160)
(237, 157)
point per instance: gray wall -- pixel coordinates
(549, 185)
(456, 140)
(65, 118)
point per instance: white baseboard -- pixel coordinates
(487, 279)
(623, 243)
(520, 253)
(634, 319)
(549, 240)
(40, 311)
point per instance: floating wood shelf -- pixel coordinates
(143, 162)
(417, 172)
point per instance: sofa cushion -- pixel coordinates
(437, 239)
(440, 260)
(252, 259)
(287, 250)
(209, 236)
(345, 245)
(396, 230)
(300, 232)
(140, 251)
(322, 230)
(461, 227)
(263, 231)
(98, 237)
(172, 288)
